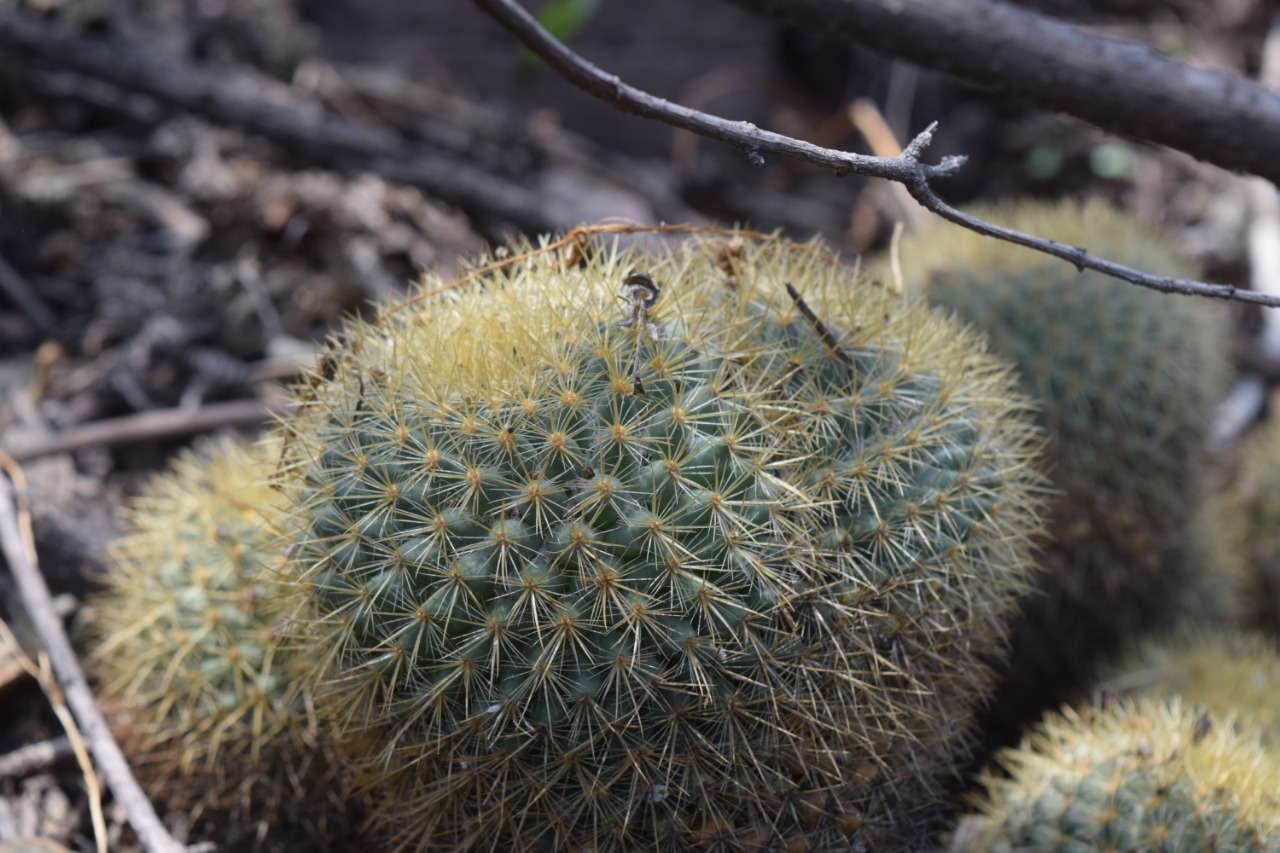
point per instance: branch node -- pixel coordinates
(906, 168)
(1080, 252)
(948, 166)
(917, 146)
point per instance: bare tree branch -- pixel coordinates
(753, 141)
(1121, 87)
(19, 551)
(905, 168)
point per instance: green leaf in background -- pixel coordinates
(1113, 160)
(1044, 162)
(564, 19)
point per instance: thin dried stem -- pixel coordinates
(818, 326)
(146, 426)
(35, 756)
(906, 169)
(59, 704)
(18, 546)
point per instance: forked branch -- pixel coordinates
(907, 168)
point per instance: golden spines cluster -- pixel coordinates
(1138, 775)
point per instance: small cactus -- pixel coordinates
(188, 656)
(1248, 517)
(713, 569)
(1218, 589)
(1126, 378)
(1223, 672)
(1130, 777)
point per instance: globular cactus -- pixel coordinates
(1221, 671)
(188, 656)
(1126, 378)
(1247, 517)
(1217, 587)
(1130, 777)
(715, 570)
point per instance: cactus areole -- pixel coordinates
(642, 551)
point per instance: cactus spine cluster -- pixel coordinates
(1131, 777)
(715, 569)
(188, 654)
(1126, 378)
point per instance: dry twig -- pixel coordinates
(163, 423)
(18, 546)
(1119, 86)
(906, 168)
(57, 699)
(25, 297)
(34, 756)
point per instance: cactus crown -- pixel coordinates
(1139, 775)
(611, 570)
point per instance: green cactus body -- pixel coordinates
(1217, 588)
(1133, 777)
(1247, 518)
(1224, 672)
(188, 657)
(1126, 378)
(695, 579)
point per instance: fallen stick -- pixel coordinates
(18, 546)
(35, 756)
(906, 168)
(145, 426)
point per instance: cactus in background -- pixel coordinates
(1132, 777)
(1214, 593)
(1222, 672)
(711, 570)
(188, 657)
(1126, 378)
(1248, 517)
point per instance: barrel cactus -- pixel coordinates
(1220, 671)
(1131, 777)
(188, 656)
(1247, 515)
(1126, 378)
(1218, 585)
(641, 551)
